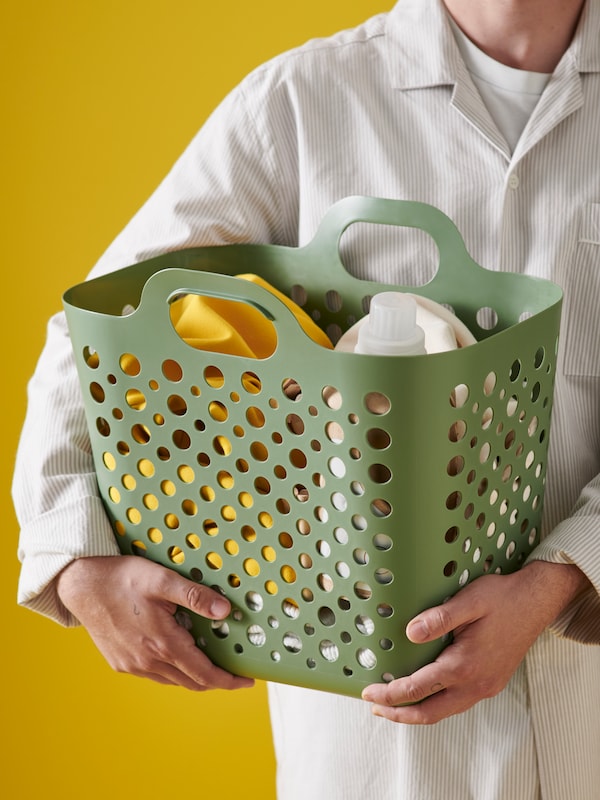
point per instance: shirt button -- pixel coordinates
(514, 181)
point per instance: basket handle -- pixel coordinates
(454, 258)
(164, 285)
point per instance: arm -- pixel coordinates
(224, 188)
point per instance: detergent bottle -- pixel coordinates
(390, 328)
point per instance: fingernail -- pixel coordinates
(418, 630)
(219, 607)
(366, 695)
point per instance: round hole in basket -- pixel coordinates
(377, 403)
(364, 625)
(366, 658)
(91, 357)
(292, 642)
(329, 650)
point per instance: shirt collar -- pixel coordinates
(585, 47)
(423, 51)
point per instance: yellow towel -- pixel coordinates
(237, 328)
(228, 326)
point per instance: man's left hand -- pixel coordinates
(494, 621)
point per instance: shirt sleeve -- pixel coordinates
(230, 185)
(575, 541)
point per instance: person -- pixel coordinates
(489, 111)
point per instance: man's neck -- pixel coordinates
(525, 34)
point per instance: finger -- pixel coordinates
(424, 683)
(170, 677)
(190, 670)
(193, 669)
(438, 706)
(442, 620)
(211, 678)
(177, 660)
(419, 699)
(431, 624)
(156, 678)
(200, 599)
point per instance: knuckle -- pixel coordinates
(210, 677)
(388, 697)
(414, 692)
(200, 598)
(466, 671)
(131, 666)
(153, 651)
(443, 620)
(196, 596)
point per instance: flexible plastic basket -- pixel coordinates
(331, 496)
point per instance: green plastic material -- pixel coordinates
(331, 496)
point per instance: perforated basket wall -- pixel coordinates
(330, 496)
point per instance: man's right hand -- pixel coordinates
(127, 604)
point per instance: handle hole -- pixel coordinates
(404, 256)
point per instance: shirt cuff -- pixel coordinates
(575, 541)
(49, 543)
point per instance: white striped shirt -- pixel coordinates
(386, 110)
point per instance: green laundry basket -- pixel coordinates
(331, 496)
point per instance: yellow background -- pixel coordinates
(98, 100)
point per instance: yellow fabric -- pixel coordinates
(237, 328)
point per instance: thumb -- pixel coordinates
(433, 623)
(196, 597)
(471, 603)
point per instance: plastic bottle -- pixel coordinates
(390, 328)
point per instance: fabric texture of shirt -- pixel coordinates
(509, 94)
(388, 109)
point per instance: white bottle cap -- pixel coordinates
(391, 327)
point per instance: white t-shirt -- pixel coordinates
(509, 94)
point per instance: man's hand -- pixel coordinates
(495, 620)
(127, 604)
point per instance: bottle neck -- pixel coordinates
(391, 327)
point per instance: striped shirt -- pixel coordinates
(388, 110)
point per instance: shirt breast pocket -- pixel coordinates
(581, 316)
